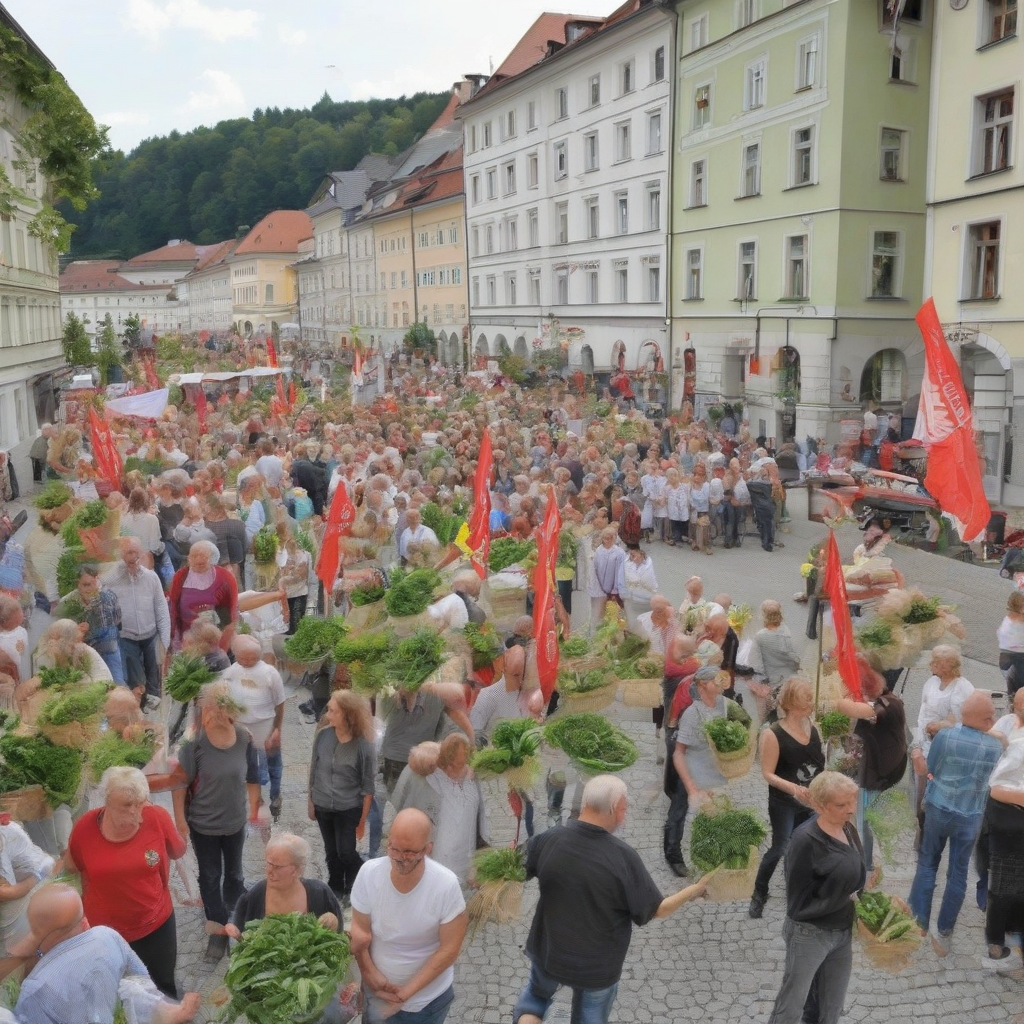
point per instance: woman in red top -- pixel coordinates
(123, 851)
(203, 586)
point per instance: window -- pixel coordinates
(561, 223)
(622, 141)
(807, 64)
(1000, 19)
(512, 234)
(472, 138)
(535, 287)
(803, 156)
(476, 296)
(491, 178)
(594, 90)
(885, 264)
(654, 208)
(752, 169)
(456, 275)
(622, 213)
(510, 289)
(654, 284)
(755, 85)
(891, 167)
(533, 227)
(489, 238)
(383, 280)
(901, 61)
(423, 240)
(492, 291)
(626, 78)
(474, 247)
(747, 287)
(658, 73)
(592, 286)
(694, 273)
(746, 11)
(995, 135)
(796, 267)
(654, 133)
(911, 11)
(562, 287)
(510, 125)
(474, 188)
(561, 155)
(590, 154)
(487, 135)
(698, 191)
(531, 115)
(621, 283)
(510, 179)
(404, 279)
(984, 261)
(561, 103)
(593, 212)
(701, 106)
(268, 293)
(699, 32)
(531, 170)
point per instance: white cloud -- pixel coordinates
(152, 20)
(117, 118)
(222, 97)
(404, 82)
(292, 37)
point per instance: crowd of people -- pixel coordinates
(184, 576)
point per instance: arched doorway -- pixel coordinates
(481, 353)
(442, 345)
(587, 360)
(520, 348)
(884, 378)
(454, 350)
(618, 362)
(988, 379)
(649, 359)
(247, 327)
(501, 346)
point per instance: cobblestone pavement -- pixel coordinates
(709, 962)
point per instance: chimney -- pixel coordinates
(469, 86)
(174, 241)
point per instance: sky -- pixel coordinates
(146, 67)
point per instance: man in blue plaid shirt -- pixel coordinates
(960, 762)
(103, 619)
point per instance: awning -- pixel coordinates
(220, 377)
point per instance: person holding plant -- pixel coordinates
(203, 587)
(294, 579)
(102, 620)
(342, 768)
(791, 757)
(123, 853)
(606, 575)
(824, 870)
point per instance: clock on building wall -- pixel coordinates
(958, 5)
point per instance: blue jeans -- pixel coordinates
(142, 667)
(375, 826)
(865, 798)
(271, 769)
(433, 1013)
(960, 830)
(105, 642)
(589, 1005)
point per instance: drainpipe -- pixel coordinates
(671, 70)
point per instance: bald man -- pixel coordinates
(408, 923)
(76, 969)
(960, 761)
(506, 697)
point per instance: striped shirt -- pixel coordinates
(960, 762)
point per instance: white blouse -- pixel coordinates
(938, 704)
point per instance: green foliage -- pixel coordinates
(74, 704)
(368, 593)
(108, 351)
(59, 676)
(575, 646)
(74, 342)
(877, 634)
(922, 609)
(484, 643)
(410, 593)
(727, 737)
(722, 836)
(54, 494)
(519, 738)
(890, 816)
(420, 336)
(132, 325)
(414, 658)
(112, 750)
(568, 547)
(516, 368)
(67, 569)
(90, 515)
(833, 723)
(286, 967)
(186, 677)
(446, 525)
(149, 467)
(32, 760)
(304, 539)
(507, 865)
(576, 684)
(314, 638)
(592, 742)
(506, 551)
(204, 183)
(883, 917)
(372, 646)
(264, 545)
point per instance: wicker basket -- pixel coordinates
(642, 693)
(525, 776)
(500, 902)
(507, 602)
(406, 625)
(729, 884)
(736, 763)
(894, 956)
(80, 735)
(366, 616)
(592, 700)
(298, 668)
(28, 804)
(585, 664)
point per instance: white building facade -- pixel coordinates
(566, 167)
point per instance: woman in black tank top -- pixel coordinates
(791, 755)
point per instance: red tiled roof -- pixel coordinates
(99, 275)
(447, 116)
(280, 231)
(215, 254)
(533, 47)
(182, 252)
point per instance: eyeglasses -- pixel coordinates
(278, 867)
(405, 854)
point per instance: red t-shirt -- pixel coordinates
(124, 885)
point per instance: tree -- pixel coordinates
(108, 350)
(75, 342)
(132, 331)
(420, 336)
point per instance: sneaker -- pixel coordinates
(756, 908)
(998, 959)
(678, 867)
(307, 708)
(151, 703)
(216, 948)
(941, 943)
(275, 805)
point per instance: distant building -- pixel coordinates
(206, 290)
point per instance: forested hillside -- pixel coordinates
(204, 184)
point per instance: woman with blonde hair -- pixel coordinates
(342, 769)
(791, 757)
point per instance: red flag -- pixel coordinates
(544, 597)
(835, 589)
(479, 538)
(271, 353)
(106, 457)
(280, 394)
(945, 425)
(201, 408)
(339, 522)
(151, 377)
(292, 395)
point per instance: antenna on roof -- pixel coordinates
(490, 61)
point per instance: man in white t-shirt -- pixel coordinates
(408, 923)
(1009, 726)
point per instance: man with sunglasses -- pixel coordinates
(408, 923)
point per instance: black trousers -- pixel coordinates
(338, 829)
(159, 952)
(296, 611)
(221, 881)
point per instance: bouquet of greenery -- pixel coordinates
(722, 836)
(314, 638)
(484, 643)
(409, 593)
(592, 742)
(500, 875)
(264, 545)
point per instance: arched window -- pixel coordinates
(787, 374)
(587, 360)
(501, 346)
(884, 377)
(482, 348)
(520, 348)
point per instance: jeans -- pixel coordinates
(375, 825)
(589, 1005)
(675, 823)
(680, 529)
(106, 637)
(271, 765)
(141, 665)
(159, 952)
(817, 973)
(338, 829)
(784, 816)
(220, 856)
(865, 798)
(433, 1013)
(731, 516)
(764, 512)
(960, 830)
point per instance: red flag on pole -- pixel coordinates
(945, 425)
(835, 589)
(479, 538)
(544, 597)
(151, 377)
(271, 353)
(106, 457)
(339, 522)
(201, 408)
(292, 395)
(280, 394)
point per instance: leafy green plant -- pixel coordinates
(67, 569)
(367, 593)
(74, 704)
(484, 643)
(60, 676)
(264, 545)
(592, 742)
(505, 865)
(876, 634)
(922, 609)
(572, 683)
(506, 551)
(575, 646)
(32, 760)
(89, 516)
(372, 646)
(53, 495)
(314, 638)
(113, 750)
(414, 658)
(410, 593)
(722, 835)
(446, 525)
(883, 917)
(833, 723)
(186, 677)
(727, 737)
